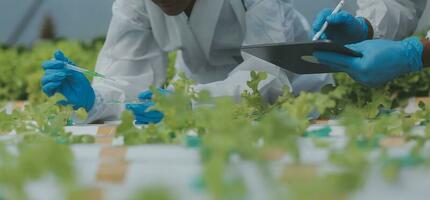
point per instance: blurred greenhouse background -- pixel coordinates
(77, 19)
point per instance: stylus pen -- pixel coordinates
(324, 27)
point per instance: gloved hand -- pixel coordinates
(73, 85)
(343, 27)
(141, 111)
(382, 60)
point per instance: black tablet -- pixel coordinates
(298, 57)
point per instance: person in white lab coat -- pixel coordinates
(384, 58)
(206, 33)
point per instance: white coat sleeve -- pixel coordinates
(269, 21)
(131, 56)
(392, 19)
(236, 82)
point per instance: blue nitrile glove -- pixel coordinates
(142, 112)
(382, 61)
(343, 27)
(71, 84)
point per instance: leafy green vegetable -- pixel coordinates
(44, 120)
(154, 192)
(81, 114)
(35, 159)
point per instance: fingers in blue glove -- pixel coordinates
(143, 116)
(57, 76)
(139, 109)
(141, 112)
(147, 95)
(57, 65)
(358, 47)
(51, 82)
(51, 88)
(321, 19)
(337, 62)
(151, 117)
(53, 64)
(164, 91)
(341, 60)
(340, 18)
(59, 55)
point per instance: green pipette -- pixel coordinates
(88, 72)
(134, 101)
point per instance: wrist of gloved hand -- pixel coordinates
(413, 49)
(365, 29)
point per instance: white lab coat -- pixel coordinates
(141, 35)
(392, 19)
